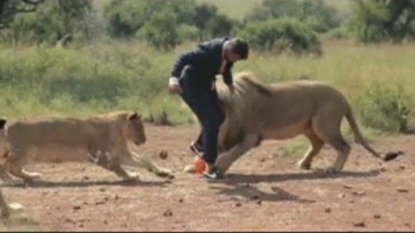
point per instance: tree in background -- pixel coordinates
(161, 30)
(52, 21)
(315, 13)
(211, 23)
(9, 9)
(165, 24)
(286, 35)
(383, 20)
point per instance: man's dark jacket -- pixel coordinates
(206, 59)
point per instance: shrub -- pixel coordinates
(281, 35)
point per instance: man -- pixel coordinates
(193, 77)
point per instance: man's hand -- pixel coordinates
(231, 88)
(174, 86)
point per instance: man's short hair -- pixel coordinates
(240, 47)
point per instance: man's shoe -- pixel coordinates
(213, 174)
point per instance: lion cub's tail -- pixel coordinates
(358, 136)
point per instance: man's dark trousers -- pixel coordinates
(204, 102)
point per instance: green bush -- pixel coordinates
(376, 21)
(164, 24)
(161, 31)
(384, 106)
(315, 13)
(337, 33)
(53, 20)
(281, 35)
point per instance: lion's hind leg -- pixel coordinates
(15, 168)
(314, 149)
(19, 172)
(138, 161)
(4, 175)
(15, 164)
(6, 209)
(328, 129)
(105, 161)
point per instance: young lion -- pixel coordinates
(4, 207)
(100, 139)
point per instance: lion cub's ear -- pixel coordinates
(134, 116)
(2, 123)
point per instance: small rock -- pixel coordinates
(401, 190)
(181, 200)
(238, 204)
(347, 186)
(102, 189)
(168, 213)
(359, 224)
(359, 193)
(100, 202)
(262, 160)
(116, 197)
(377, 216)
(342, 195)
(402, 167)
(327, 210)
(77, 207)
(105, 222)
(163, 154)
(69, 220)
(86, 178)
(383, 169)
(255, 197)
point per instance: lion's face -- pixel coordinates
(133, 130)
(3, 141)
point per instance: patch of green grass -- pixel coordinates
(109, 76)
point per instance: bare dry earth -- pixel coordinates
(264, 191)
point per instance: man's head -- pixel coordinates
(236, 49)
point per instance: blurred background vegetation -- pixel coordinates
(83, 57)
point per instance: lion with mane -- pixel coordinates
(280, 111)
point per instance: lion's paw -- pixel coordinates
(15, 207)
(32, 176)
(189, 169)
(132, 176)
(164, 172)
(332, 170)
(304, 166)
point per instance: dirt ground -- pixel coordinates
(263, 191)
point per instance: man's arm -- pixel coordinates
(194, 56)
(227, 74)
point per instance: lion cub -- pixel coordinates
(100, 139)
(4, 207)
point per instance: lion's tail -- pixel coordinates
(358, 136)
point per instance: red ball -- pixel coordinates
(200, 165)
